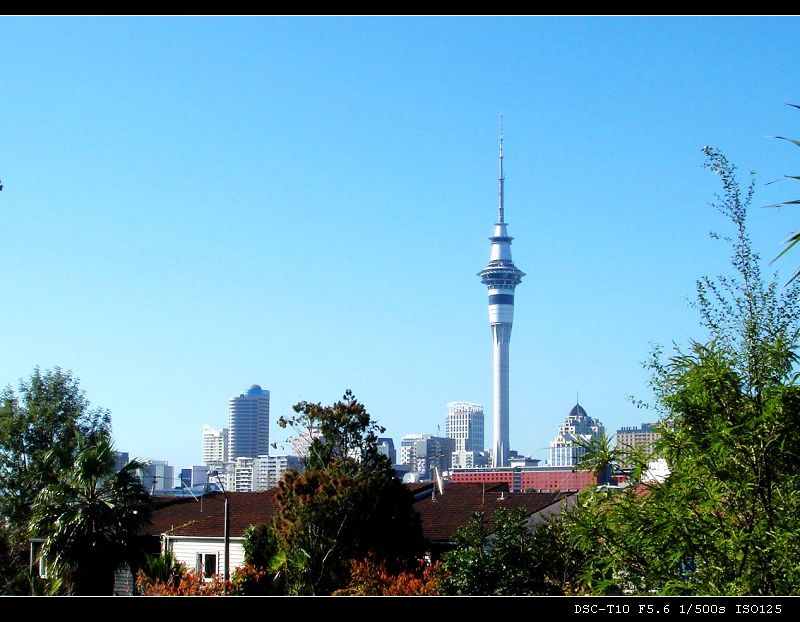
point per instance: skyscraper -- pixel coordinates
(386, 448)
(630, 439)
(215, 444)
(408, 449)
(464, 423)
(501, 277)
(248, 424)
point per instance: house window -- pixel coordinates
(207, 564)
(38, 564)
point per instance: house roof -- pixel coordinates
(442, 517)
(206, 516)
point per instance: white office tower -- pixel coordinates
(464, 424)
(501, 277)
(215, 444)
(301, 442)
(225, 472)
(248, 424)
(272, 468)
(408, 449)
(157, 475)
(568, 446)
(246, 473)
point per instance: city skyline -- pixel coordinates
(193, 205)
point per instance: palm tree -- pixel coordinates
(90, 518)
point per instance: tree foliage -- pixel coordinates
(510, 560)
(343, 505)
(371, 577)
(39, 430)
(40, 425)
(795, 237)
(245, 581)
(725, 519)
(90, 518)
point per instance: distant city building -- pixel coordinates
(433, 452)
(186, 478)
(157, 474)
(248, 424)
(578, 428)
(272, 468)
(642, 439)
(199, 475)
(520, 479)
(464, 424)
(469, 459)
(246, 472)
(386, 448)
(121, 458)
(215, 444)
(225, 472)
(657, 471)
(301, 441)
(408, 449)
(522, 461)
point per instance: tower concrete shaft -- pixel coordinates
(501, 277)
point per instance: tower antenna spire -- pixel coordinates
(501, 277)
(500, 180)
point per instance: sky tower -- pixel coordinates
(501, 276)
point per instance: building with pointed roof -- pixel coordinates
(568, 446)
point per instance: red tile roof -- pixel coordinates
(206, 517)
(441, 518)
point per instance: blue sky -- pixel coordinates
(194, 205)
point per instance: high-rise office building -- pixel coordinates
(433, 452)
(224, 472)
(633, 438)
(501, 277)
(578, 429)
(386, 448)
(215, 444)
(408, 449)
(464, 424)
(272, 468)
(248, 424)
(302, 441)
(246, 474)
(157, 475)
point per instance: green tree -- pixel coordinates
(508, 560)
(795, 237)
(90, 517)
(343, 504)
(39, 429)
(163, 568)
(725, 519)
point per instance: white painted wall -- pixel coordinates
(186, 549)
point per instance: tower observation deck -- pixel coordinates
(501, 277)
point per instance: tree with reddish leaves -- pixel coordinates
(346, 505)
(371, 577)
